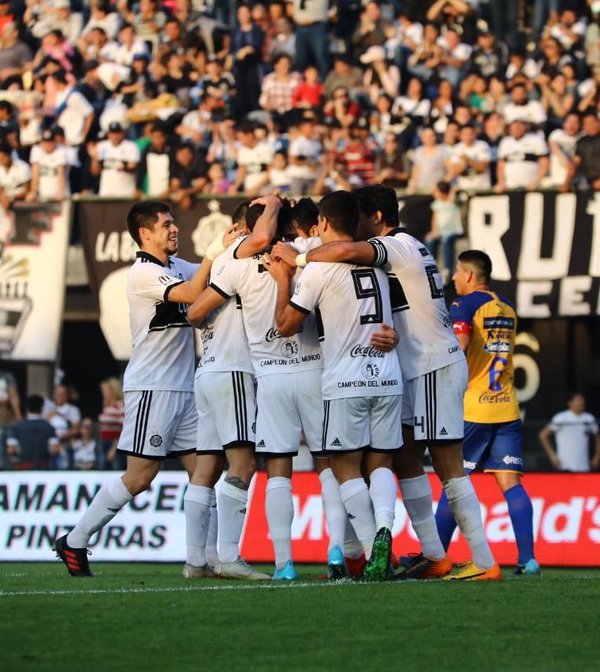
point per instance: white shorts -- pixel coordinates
(226, 407)
(158, 424)
(288, 406)
(433, 403)
(356, 423)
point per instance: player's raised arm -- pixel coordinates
(188, 291)
(264, 229)
(361, 252)
(287, 318)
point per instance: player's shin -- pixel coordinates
(417, 498)
(197, 506)
(357, 503)
(231, 503)
(280, 513)
(333, 506)
(521, 516)
(445, 522)
(383, 490)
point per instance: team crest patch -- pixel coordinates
(370, 371)
(156, 440)
(289, 349)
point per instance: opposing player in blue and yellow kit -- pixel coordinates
(485, 324)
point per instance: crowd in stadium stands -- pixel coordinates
(186, 97)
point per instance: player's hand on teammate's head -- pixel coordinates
(386, 339)
(230, 234)
(285, 252)
(270, 200)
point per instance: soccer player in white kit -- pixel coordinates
(435, 377)
(160, 414)
(361, 386)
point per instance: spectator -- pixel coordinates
(115, 160)
(73, 113)
(246, 43)
(489, 57)
(413, 107)
(305, 153)
(49, 170)
(14, 54)
(369, 32)
(15, 177)
(189, 175)
(278, 87)
(469, 163)
(341, 108)
(556, 101)
(454, 57)
(102, 16)
(586, 162)
(219, 84)
(32, 443)
(152, 171)
(110, 423)
(427, 56)
(522, 159)
(216, 182)
(125, 48)
(391, 167)
(493, 132)
(343, 75)
(85, 448)
(280, 180)
(361, 150)
(311, 35)
(283, 40)
(196, 124)
(572, 430)
(380, 76)
(562, 143)
(253, 158)
(309, 93)
(65, 418)
(446, 226)
(223, 147)
(10, 404)
(569, 30)
(428, 163)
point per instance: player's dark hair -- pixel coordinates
(34, 404)
(444, 187)
(340, 208)
(479, 261)
(305, 214)
(240, 214)
(144, 215)
(377, 197)
(285, 227)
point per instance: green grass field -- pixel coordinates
(145, 617)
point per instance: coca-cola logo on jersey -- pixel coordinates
(365, 351)
(272, 335)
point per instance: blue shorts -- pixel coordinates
(493, 446)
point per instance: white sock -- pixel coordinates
(416, 495)
(109, 500)
(279, 508)
(196, 506)
(464, 505)
(232, 503)
(383, 490)
(212, 557)
(352, 547)
(335, 512)
(357, 503)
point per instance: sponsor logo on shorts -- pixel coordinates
(260, 444)
(337, 443)
(369, 370)
(365, 351)
(469, 465)
(509, 459)
(156, 440)
(453, 349)
(443, 432)
(289, 349)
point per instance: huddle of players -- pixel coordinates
(324, 362)
(356, 388)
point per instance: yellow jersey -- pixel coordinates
(491, 322)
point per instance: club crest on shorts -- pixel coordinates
(156, 440)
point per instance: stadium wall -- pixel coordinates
(36, 507)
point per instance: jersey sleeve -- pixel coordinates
(307, 292)
(554, 423)
(151, 281)
(381, 255)
(224, 279)
(461, 314)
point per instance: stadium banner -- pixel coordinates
(109, 251)
(33, 257)
(36, 507)
(545, 249)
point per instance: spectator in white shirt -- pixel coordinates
(48, 170)
(116, 160)
(522, 159)
(469, 163)
(15, 176)
(562, 142)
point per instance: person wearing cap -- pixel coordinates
(489, 56)
(115, 160)
(48, 170)
(522, 159)
(380, 75)
(15, 176)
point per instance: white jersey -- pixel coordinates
(478, 151)
(271, 352)
(163, 354)
(49, 163)
(559, 157)
(572, 433)
(13, 178)
(224, 342)
(350, 302)
(427, 341)
(532, 112)
(521, 159)
(256, 160)
(114, 179)
(72, 109)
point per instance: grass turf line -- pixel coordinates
(545, 624)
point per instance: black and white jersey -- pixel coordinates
(521, 159)
(115, 179)
(49, 164)
(224, 342)
(271, 352)
(427, 341)
(162, 355)
(351, 303)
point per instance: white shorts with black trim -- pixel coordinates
(356, 423)
(158, 424)
(433, 403)
(288, 405)
(226, 407)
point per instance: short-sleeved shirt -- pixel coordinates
(491, 322)
(521, 158)
(49, 164)
(350, 302)
(478, 151)
(115, 180)
(13, 178)
(588, 150)
(572, 433)
(33, 436)
(163, 356)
